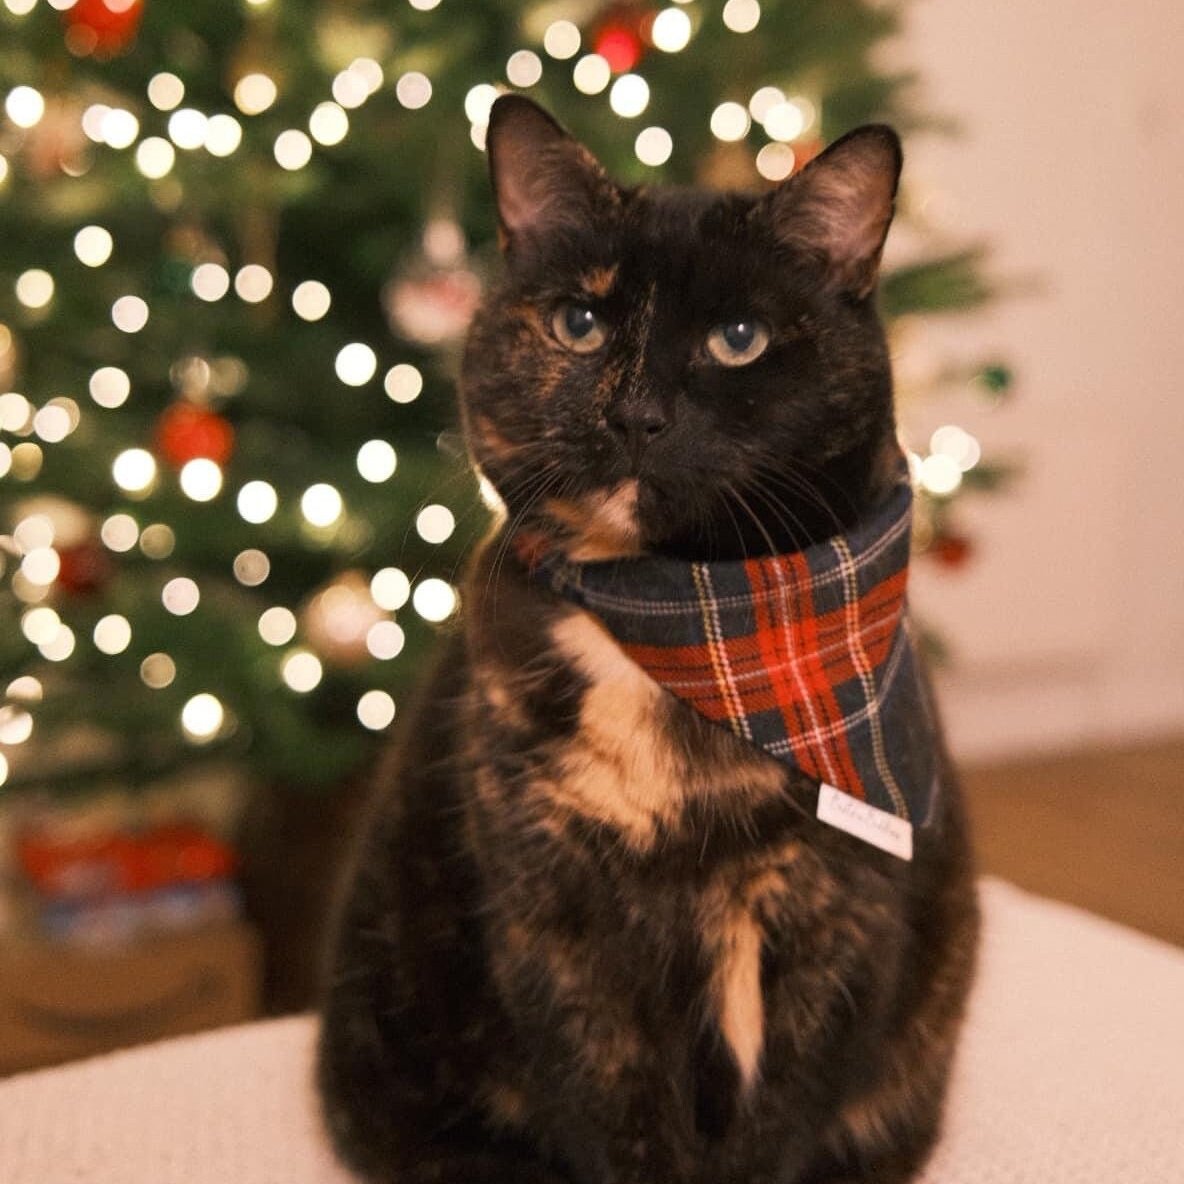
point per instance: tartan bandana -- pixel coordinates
(808, 655)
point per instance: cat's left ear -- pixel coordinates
(840, 206)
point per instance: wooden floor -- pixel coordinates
(1101, 830)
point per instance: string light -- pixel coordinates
(277, 626)
(129, 314)
(321, 505)
(134, 471)
(424, 5)
(56, 420)
(370, 73)
(434, 600)
(435, 523)
(591, 74)
(350, 89)
(293, 149)
(165, 91)
(20, 7)
(158, 541)
(93, 245)
(16, 725)
(40, 625)
(958, 444)
(223, 135)
(524, 68)
(35, 531)
(201, 479)
(3, 169)
(403, 383)
(187, 128)
(764, 100)
(784, 121)
(671, 30)
(355, 363)
(15, 412)
(60, 646)
(155, 157)
(730, 122)
(257, 502)
(775, 162)
(202, 717)
(390, 589)
(478, 102)
(210, 281)
(92, 121)
(254, 93)
(328, 124)
(376, 710)
(653, 146)
(414, 90)
(41, 566)
(253, 283)
(5, 469)
(629, 96)
(742, 16)
(562, 40)
(120, 532)
(26, 461)
(119, 128)
(158, 671)
(109, 387)
(301, 671)
(25, 689)
(34, 288)
(940, 475)
(112, 634)
(25, 106)
(377, 461)
(180, 596)
(251, 567)
(311, 300)
(385, 640)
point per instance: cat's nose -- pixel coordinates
(636, 426)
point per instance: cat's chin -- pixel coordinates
(600, 525)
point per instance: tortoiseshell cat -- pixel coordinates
(593, 938)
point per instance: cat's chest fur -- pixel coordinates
(630, 844)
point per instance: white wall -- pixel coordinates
(1069, 624)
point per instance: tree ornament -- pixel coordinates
(337, 619)
(185, 432)
(621, 36)
(952, 550)
(85, 568)
(102, 27)
(432, 305)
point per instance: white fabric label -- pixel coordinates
(869, 823)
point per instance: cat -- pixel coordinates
(593, 936)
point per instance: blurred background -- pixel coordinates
(239, 246)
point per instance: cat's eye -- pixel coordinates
(578, 328)
(736, 343)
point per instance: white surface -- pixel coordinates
(1070, 1070)
(1069, 625)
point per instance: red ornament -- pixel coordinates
(85, 569)
(952, 550)
(620, 46)
(185, 432)
(102, 27)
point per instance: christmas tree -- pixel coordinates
(239, 246)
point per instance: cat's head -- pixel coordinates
(680, 371)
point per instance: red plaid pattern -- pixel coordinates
(807, 655)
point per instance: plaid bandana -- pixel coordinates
(808, 656)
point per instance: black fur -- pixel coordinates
(580, 907)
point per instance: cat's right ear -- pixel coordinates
(544, 181)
